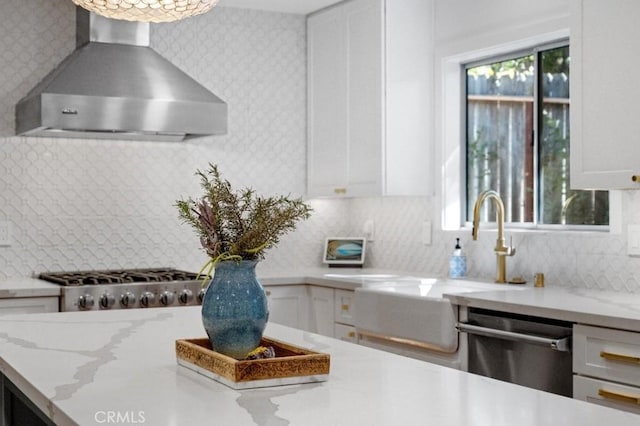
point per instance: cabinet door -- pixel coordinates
(289, 305)
(345, 86)
(28, 305)
(327, 165)
(605, 39)
(609, 394)
(365, 62)
(409, 101)
(607, 353)
(321, 310)
(343, 307)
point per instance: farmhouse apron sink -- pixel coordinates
(414, 310)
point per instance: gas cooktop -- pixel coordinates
(117, 276)
(127, 288)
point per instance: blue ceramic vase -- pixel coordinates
(234, 309)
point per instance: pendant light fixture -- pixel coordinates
(147, 10)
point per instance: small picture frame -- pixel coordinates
(344, 251)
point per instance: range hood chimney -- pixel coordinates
(114, 86)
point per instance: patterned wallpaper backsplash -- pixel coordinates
(596, 260)
(87, 204)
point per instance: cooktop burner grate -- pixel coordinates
(121, 276)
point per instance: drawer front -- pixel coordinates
(343, 306)
(607, 354)
(602, 392)
(29, 305)
(345, 332)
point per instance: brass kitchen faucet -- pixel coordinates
(501, 250)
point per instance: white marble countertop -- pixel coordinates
(80, 366)
(618, 310)
(342, 278)
(610, 309)
(27, 287)
(346, 278)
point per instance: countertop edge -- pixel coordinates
(486, 300)
(27, 287)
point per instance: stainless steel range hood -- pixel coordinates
(114, 86)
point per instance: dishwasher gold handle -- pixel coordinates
(619, 396)
(609, 356)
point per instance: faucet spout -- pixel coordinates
(501, 250)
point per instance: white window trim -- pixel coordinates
(450, 128)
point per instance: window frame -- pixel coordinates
(537, 115)
(505, 56)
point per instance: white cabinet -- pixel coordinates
(306, 307)
(604, 96)
(289, 305)
(345, 99)
(346, 333)
(344, 306)
(344, 328)
(28, 305)
(312, 308)
(606, 365)
(369, 99)
(321, 310)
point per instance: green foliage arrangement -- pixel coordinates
(238, 225)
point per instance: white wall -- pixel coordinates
(464, 20)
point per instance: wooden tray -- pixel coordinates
(291, 365)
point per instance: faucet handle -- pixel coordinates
(503, 250)
(506, 251)
(511, 250)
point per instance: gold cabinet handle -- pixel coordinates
(402, 341)
(340, 191)
(345, 307)
(619, 396)
(352, 334)
(609, 356)
(635, 178)
(268, 292)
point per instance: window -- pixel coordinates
(517, 140)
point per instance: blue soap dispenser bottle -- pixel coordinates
(457, 262)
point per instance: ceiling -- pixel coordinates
(288, 6)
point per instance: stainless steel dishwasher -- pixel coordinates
(529, 351)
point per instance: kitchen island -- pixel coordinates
(94, 367)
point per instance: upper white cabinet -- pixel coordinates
(605, 39)
(370, 99)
